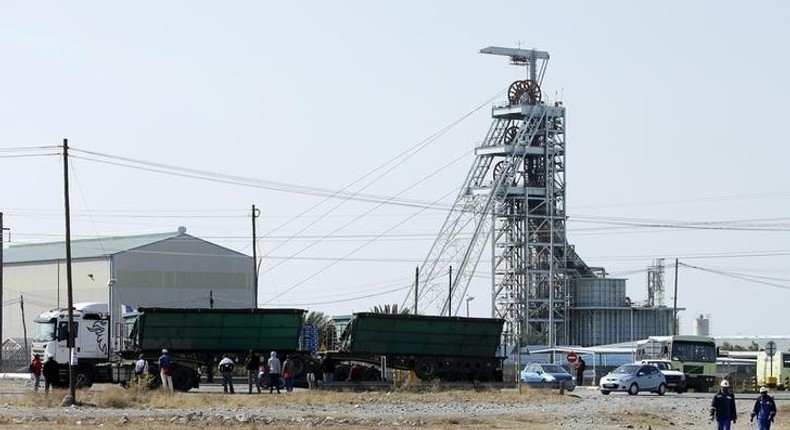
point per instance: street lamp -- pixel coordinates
(468, 299)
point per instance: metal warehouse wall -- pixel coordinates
(43, 286)
(591, 327)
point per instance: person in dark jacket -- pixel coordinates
(764, 410)
(723, 407)
(253, 364)
(328, 368)
(581, 366)
(51, 374)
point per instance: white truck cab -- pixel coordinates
(676, 380)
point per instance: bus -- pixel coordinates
(695, 356)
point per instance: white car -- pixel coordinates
(676, 380)
(634, 378)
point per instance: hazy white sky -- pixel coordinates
(675, 114)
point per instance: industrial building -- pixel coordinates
(513, 205)
(167, 270)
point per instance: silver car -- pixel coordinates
(634, 378)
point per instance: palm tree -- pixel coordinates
(390, 309)
(324, 325)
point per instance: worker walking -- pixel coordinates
(166, 371)
(253, 364)
(764, 410)
(226, 367)
(723, 407)
(274, 372)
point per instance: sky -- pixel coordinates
(675, 144)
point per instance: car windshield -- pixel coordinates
(663, 365)
(694, 351)
(553, 368)
(627, 369)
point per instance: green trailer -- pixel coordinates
(233, 331)
(445, 348)
(197, 338)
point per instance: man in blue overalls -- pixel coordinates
(764, 410)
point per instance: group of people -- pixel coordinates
(48, 369)
(722, 408)
(260, 373)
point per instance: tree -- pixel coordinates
(390, 309)
(324, 325)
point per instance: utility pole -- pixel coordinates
(71, 397)
(24, 326)
(255, 214)
(450, 296)
(416, 285)
(2, 232)
(675, 303)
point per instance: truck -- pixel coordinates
(676, 380)
(774, 371)
(693, 355)
(195, 338)
(433, 347)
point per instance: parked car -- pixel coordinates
(676, 380)
(547, 373)
(634, 378)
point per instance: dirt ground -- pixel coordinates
(114, 407)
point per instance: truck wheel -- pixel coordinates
(341, 372)
(84, 377)
(425, 369)
(371, 374)
(298, 365)
(182, 378)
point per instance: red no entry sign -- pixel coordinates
(572, 357)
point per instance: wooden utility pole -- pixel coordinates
(71, 397)
(255, 214)
(2, 232)
(24, 325)
(675, 303)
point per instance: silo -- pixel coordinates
(702, 325)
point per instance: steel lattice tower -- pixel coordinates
(514, 196)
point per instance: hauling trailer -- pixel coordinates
(195, 338)
(434, 347)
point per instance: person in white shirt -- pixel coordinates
(226, 366)
(274, 373)
(140, 367)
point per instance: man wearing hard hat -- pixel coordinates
(764, 410)
(723, 407)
